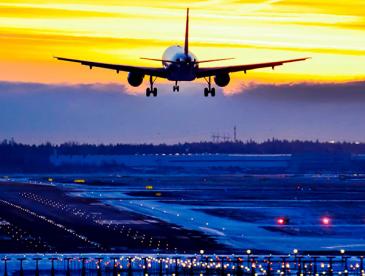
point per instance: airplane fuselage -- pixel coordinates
(183, 66)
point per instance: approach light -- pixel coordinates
(282, 221)
(326, 221)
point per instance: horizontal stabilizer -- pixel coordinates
(213, 60)
(160, 60)
(201, 61)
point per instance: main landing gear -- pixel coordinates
(152, 90)
(176, 88)
(210, 90)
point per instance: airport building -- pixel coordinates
(268, 163)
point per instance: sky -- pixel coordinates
(121, 31)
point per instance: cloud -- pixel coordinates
(311, 92)
(108, 113)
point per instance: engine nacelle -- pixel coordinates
(222, 80)
(135, 79)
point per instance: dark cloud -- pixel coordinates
(106, 113)
(312, 92)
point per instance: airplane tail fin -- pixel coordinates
(186, 48)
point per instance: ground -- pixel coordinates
(182, 213)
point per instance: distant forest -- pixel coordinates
(32, 158)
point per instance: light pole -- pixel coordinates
(5, 266)
(52, 265)
(295, 251)
(248, 252)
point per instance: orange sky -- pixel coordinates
(31, 32)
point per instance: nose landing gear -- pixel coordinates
(176, 88)
(207, 92)
(152, 90)
(210, 90)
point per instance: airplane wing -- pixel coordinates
(150, 71)
(212, 71)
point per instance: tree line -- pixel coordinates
(25, 157)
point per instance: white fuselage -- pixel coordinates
(183, 67)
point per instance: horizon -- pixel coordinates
(11, 140)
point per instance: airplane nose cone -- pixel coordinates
(188, 60)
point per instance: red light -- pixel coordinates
(326, 221)
(282, 221)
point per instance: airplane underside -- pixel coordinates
(175, 73)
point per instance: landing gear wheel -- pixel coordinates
(148, 92)
(212, 92)
(151, 90)
(176, 88)
(206, 92)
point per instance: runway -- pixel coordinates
(220, 214)
(48, 220)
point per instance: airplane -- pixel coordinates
(180, 64)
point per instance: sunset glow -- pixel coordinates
(332, 33)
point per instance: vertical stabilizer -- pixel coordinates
(186, 48)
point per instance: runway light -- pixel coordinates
(326, 221)
(282, 221)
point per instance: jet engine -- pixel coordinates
(222, 80)
(135, 79)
